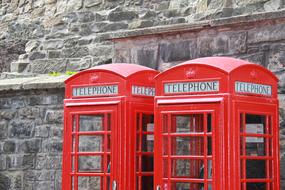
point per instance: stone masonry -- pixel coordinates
(42, 36)
(31, 139)
(69, 35)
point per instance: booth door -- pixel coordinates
(92, 139)
(144, 148)
(258, 146)
(185, 147)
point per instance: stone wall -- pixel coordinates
(71, 34)
(31, 139)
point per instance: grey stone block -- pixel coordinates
(76, 52)
(47, 66)
(53, 162)
(122, 15)
(7, 115)
(18, 66)
(177, 51)
(141, 24)
(115, 26)
(29, 161)
(9, 147)
(5, 182)
(2, 162)
(54, 54)
(92, 3)
(30, 146)
(52, 146)
(21, 129)
(269, 33)
(54, 116)
(147, 57)
(3, 130)
(53, 44)
(29, 112)
(42, 131)
(86, 16)
(37, 55)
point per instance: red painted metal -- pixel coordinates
(111, 105)
(242, 97)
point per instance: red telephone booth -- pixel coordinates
(216, 126)
(108, 129)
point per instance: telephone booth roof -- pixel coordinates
(226, 70)
(121, 74)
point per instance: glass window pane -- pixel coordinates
(209, 145)
(147, 143)
(255, 169)
(187, 146)
(91, 143)
(147, 183)
(165, 168)
(90, 183)
(147, 122)
(256, 186)
(165, 124)
(210, 169)
(147, 163)
(209, 123)
(210, 187)
(90, 164)
(188, 168)
(74, 123)
(109, 122)
(91, 123)
(188, 123)
(255, 124)
(165, 145)
(255, 146)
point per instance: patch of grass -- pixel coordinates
(54, 74)
(70, 72)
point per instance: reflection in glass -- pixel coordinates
(188, 168)
(188, 146)
(147, 143)
(91, 143)
(91, 123)
(255, 146)
(89, 183)
(255, 124)
(255, 169)
(90, 164)
(189, 123)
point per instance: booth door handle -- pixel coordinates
(158, 187)
(114, 185)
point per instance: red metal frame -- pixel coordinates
(227, 101)
(72, 134)
(201, 112)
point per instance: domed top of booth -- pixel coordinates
(225, 73)
(98, 81)
(121, 69)
(225, 64)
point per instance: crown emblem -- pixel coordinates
(94, 78)
(191, 73)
